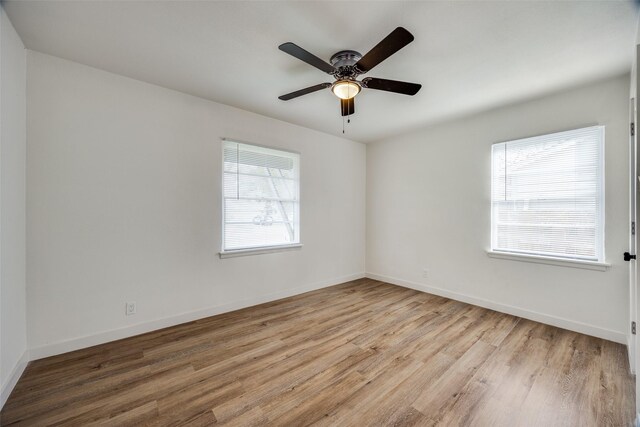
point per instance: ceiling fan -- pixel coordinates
(345, 66)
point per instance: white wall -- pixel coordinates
(124, 204)
(13, 333)
(428, 206)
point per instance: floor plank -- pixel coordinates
(361, 353)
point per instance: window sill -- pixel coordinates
(258, 251)
(573, 263)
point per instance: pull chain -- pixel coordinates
(342, 108)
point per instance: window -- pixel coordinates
(547, 195)
(261, 197)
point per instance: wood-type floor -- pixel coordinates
(363, 353)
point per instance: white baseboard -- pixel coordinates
(15, 375)
(141, 328)
(560, 322)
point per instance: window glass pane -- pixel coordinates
(257, 211)
(241, 236)
(547, 195)
(260, 196)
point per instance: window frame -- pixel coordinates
(599, 263)
(257, 250)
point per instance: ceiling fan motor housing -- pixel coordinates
(344, 62)
(345, 57)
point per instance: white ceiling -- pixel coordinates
(467, 55)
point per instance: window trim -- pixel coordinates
(539, 259)
(258, 250)
(592, 264)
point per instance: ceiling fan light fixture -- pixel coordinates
(345, 89)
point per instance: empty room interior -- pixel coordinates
(328, 213)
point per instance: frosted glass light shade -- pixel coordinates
(345, 89)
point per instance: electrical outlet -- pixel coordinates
(425, 273)
(130, 308)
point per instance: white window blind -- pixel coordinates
(261, 192)
(547, 195)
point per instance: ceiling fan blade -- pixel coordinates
(347, 106)
(395, 41)
(404, 88)
(304, 91)
(295, 50)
